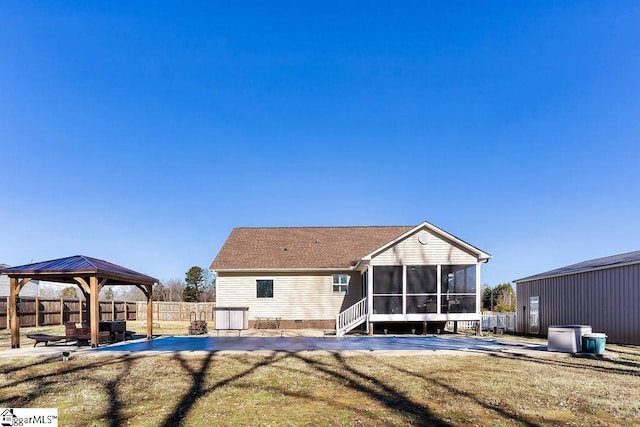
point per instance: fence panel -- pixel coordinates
(57, 311)
(499, 320)
(176, 311)
(4, 302)
(49, 311)
(131, 310)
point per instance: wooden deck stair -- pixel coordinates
(351, 317)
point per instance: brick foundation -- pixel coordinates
(328, 324)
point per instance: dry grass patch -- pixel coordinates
(301, 389)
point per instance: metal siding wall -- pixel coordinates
(608, 300)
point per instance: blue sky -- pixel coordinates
(143, 132)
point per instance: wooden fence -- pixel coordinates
(176, 311)
(56, 311)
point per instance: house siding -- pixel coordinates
(607, 299)
(28, 290)
(305, 296)
(411, 252)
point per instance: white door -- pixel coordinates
(534, 315)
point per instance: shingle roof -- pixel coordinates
(594, 264)
(79, 264)
(302, 247)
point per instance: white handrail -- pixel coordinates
(351, 317)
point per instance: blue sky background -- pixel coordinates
(143, 132)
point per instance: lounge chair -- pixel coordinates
(45, 338)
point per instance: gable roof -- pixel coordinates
(594, 264)
(482, 256)
(78, 264)
(301, 247)
(310, 248)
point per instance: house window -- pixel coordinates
(340, 284)
(264, 288)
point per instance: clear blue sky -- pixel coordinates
(143, 132)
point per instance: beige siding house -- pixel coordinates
(603, 293)
(29, 290)
(344, 277)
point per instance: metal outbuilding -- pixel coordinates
(603, 293)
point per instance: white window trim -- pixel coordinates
(340, 286)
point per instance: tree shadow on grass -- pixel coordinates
(416, 413)
(44, 382)
(611, 366)
(393, 399)
(504, 412)
(198, 380)
(36, 362)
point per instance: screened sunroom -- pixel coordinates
(423, 292)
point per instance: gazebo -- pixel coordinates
(89, 274)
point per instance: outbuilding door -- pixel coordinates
(534, 315)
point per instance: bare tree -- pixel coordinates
(173, 289)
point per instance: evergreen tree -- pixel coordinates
(195, 281)
(69, 292)
(190, 294)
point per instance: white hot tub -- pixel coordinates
(566, 338)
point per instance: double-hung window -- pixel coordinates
(264, 288)
(341, 284)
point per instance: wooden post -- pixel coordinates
(8, 318)
(126, 311)
(37, 311)
(87, 304)
(113, 309)
(95, 310)
(149, 312)
(13, 313)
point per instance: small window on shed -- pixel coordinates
(341, 284)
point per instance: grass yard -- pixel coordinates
(306, 389)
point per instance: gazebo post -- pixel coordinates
(94, 316)
(13, 313)
(149, 311)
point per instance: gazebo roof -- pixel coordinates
(63, 269)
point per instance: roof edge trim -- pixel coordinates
(244, 270)
(569, 273)
(481, 254)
